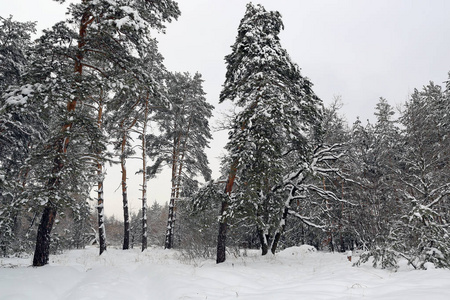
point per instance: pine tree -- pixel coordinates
(184, 135)
(408, 190)
(425, 189)
(20, 126)
(124, 113)
(278, 114)
(111, 31)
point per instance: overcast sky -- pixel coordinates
(359, 50)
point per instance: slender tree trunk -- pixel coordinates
(263, 233)
(171, 217)
(100, 194)
(126, 216)
(41, 254)
(171, 220)
(144, 179)
(126, 213)
(100, 210)
(222, 236)
(177, 162)
(287, 204)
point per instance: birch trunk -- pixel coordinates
(100, 210)
(100, 197)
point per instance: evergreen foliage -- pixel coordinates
(295, 172)
(278, 118)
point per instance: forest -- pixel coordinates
(93, 90)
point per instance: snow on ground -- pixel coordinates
(295, 273)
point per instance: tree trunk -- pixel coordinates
(222, 236)
(42, 251)
(170, 221)
(126, 214)
(144, 179)
(171, 217)
(263, 240)
(100, 197)
(126, 217)
(100, 212)
(282, 226)
(126, 223)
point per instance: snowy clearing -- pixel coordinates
(295, 273)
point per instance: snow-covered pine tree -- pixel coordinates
(20, 125)
(184, 134)
(425, 190)
(124, 111)
(278, 111)
(409, 177)
(132, 107)
(375, 155)
(113, 31)
(121, 139)
(15, 44)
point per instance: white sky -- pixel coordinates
(359, 50)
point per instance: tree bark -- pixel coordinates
(42, 251)
(126, 216)
(144, 179)
(171, 217)
(263, 240)
(100, 197)
(100, 211)
(222, 238)
(277, 235)
(126, 223)
(223, 226)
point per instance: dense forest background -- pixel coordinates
(93, 90)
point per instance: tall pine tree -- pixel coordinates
(278, 112)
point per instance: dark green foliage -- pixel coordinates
(278, 120)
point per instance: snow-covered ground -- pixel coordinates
(295, 273)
